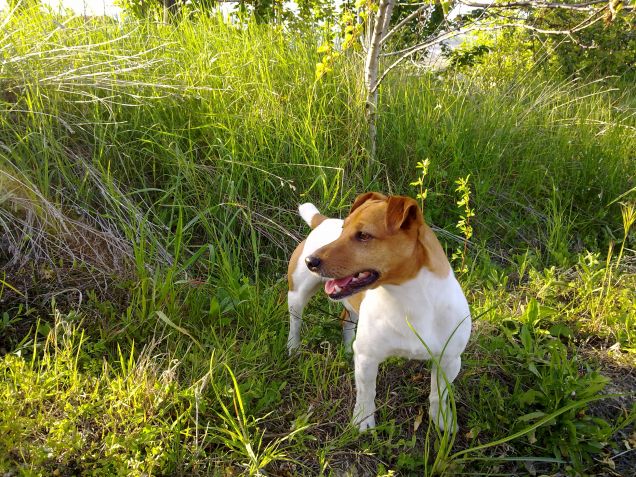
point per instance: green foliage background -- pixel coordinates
(149, 175)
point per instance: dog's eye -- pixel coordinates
(363, 236)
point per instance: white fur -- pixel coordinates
(306, 283)
(434, 307)
(307, 212)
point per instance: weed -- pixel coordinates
(422, 192)
(463, 224)
(239, 433)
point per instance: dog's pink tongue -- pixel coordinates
(330, 285)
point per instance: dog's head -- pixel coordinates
(384, 240)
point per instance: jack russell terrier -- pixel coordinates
(394, 279)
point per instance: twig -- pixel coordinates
(404, 21)
(587, 6)
(407, 52)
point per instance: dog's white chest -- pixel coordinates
(414, 319)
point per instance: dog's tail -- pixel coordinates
(311, 215)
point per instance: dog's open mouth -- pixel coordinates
(338, 288)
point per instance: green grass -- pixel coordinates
(149, 176)
(535, 151)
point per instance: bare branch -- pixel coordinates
(407, 52)
(404, 21)
(447, 35)
(378, 24)
(593, 18)
(546, 32)
(587, 6)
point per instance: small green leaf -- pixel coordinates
(526, 338)
(560, 331)
(531, 416)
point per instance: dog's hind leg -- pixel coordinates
(349, 319)
(307, 284)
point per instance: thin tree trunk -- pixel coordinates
(387, 19)
(371, 69)
(166, 16)
(170, 8)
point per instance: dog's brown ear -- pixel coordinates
(402, 213)
(362, 198)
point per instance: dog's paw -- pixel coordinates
(363, 422)
(366, 424)
(293, 350)
(443, 420)
(292, 346)
(453, 428)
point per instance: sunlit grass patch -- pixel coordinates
(64, 410)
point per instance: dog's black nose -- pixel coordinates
(313, 263)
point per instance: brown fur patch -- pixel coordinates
(402, 212)
(362, 198)
(437, 261)
(344, 316)
(316, 220)
(293, 263)
(356, 300)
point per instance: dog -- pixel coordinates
(386, 266)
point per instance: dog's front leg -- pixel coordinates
(366, 373)
(441, 377)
